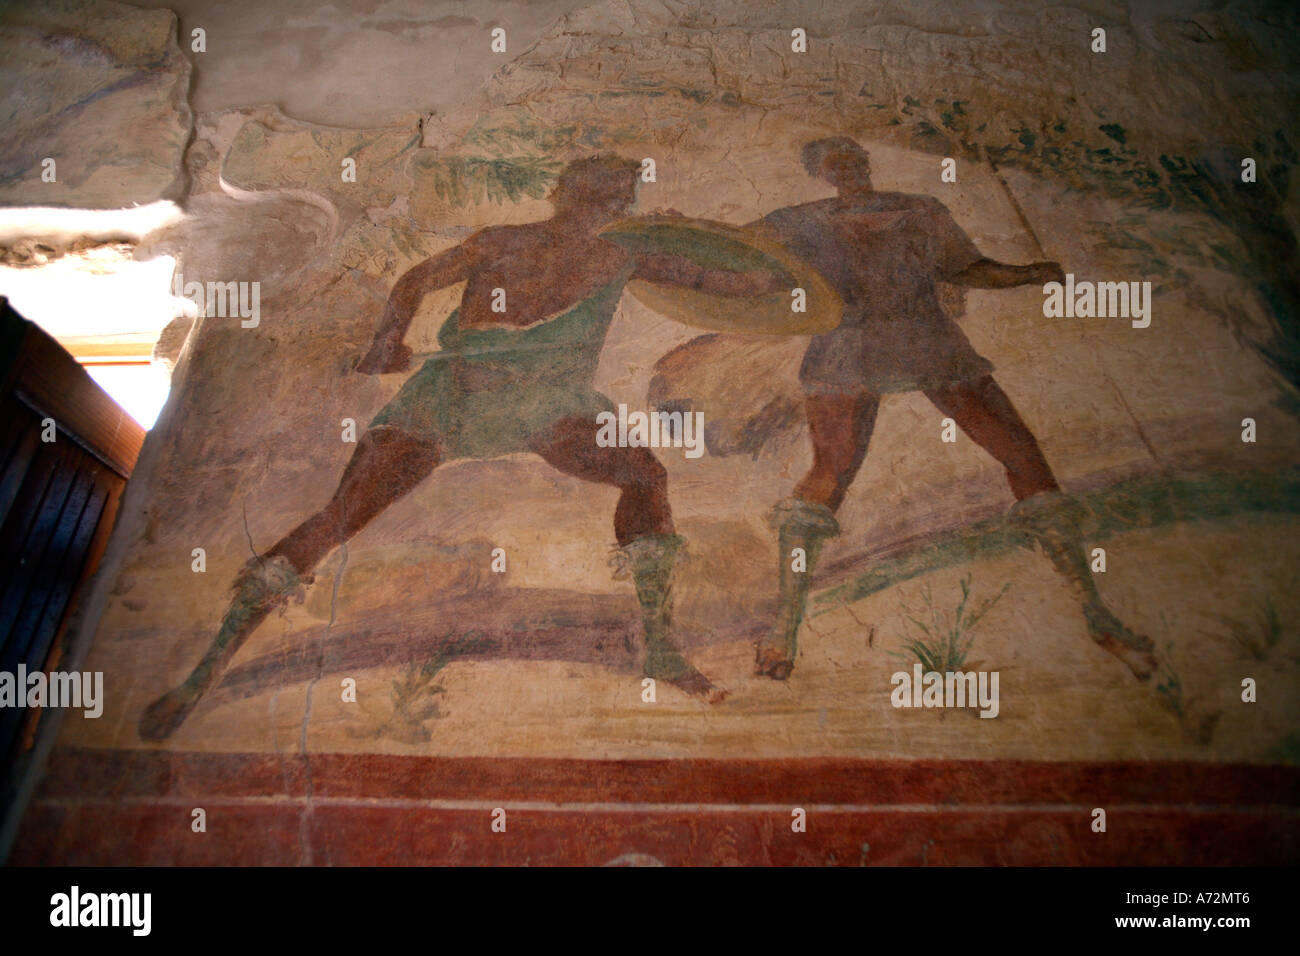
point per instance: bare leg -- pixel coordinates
(840, 427)
(570, 446)
(986, 414)
(643, 526)
(386, 465)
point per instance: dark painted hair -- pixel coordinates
(818, 149)
(599, 177)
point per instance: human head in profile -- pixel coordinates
(514, 374)
(886, 253)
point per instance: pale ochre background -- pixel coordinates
(250, 442)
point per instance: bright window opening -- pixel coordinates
(99, 303)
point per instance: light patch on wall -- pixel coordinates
(140, 389)
(108, 311)
(95, 296)
(67, 225)
(72, 273)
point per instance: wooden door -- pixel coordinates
(66, 451)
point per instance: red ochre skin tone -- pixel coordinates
(545, 269)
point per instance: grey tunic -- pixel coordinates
(884, 257)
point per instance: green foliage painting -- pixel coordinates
(462, 181)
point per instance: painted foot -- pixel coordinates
(1138, 653)
(669, 666)
(164, 715)
(772, 662)
(697, 685)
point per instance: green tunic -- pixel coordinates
(489, 391)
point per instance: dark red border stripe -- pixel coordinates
(145, 834)
(98, 774)
(355, 836)
(289, 833)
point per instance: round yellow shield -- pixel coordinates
(810, 307)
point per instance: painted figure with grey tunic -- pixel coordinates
(885, 254)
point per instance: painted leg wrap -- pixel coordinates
(1048, 510)
(799, 524)
(1054, 521)
(262, 585)
(650, 561)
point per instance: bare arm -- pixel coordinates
(988, 274)
(388, 354)
(675, 270)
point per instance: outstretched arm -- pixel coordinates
(987, 274)
(666, 268)
(388, 354)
